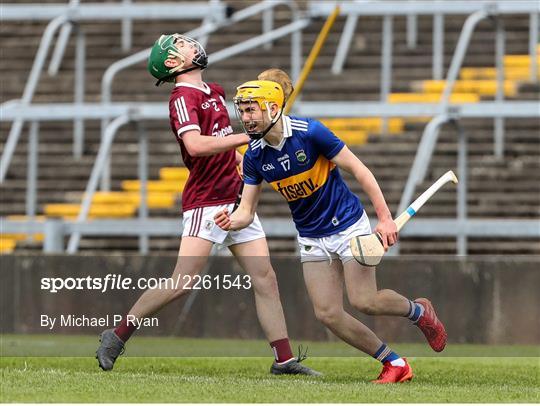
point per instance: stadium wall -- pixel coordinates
(481, 300)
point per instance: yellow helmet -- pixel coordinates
(261, 91)
(264, 93)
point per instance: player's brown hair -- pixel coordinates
(278, 76)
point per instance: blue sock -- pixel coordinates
(415, 311)
(385, 354)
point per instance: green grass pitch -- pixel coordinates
(214, 378)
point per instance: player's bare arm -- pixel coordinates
(243, 216)
(200, 145)
(239, 164)
(349, 162)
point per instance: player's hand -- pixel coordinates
(223, 220)
(246, 138)
(387, 229)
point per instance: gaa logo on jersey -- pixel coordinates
(210, 103)
(301, 157)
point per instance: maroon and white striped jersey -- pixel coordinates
(213, 180)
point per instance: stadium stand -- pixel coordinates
(497, 188)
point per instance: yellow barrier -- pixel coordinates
(154, 186)
(511, 61)
(96, 211)
(174, 173)
(516, 73)
(8, 242)
(153, 200)
(431, 98)
(351, 137)
(14, 237)
(7, 245)
(421, 120)
(482, 87)
(368, 124)
(22, 237)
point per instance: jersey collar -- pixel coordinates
(287, 132)
(205, 88)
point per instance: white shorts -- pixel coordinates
(200, 223)
(335, 246)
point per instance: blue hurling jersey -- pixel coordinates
(301, 171)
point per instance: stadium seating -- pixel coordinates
(479, 87)
(455, 98)
(70, 211)
(7, 243)
(497, 188)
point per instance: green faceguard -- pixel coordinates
(165, 48)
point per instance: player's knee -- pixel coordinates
(365, 305)
(265, 280)
(327, 315)
(180, 283)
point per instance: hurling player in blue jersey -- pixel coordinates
(300, 158)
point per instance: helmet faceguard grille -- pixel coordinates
(168, 46)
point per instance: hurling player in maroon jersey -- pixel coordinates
(201, 125)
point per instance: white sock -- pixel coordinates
(400, 362)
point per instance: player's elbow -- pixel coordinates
(196, 150)
(197, 145)
(196, 153)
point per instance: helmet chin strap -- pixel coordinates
(176, 71)
(257, 135)
(175, 74)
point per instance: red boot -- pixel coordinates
(430, 325)
(394, 374)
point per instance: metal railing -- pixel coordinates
(448, 115)
(29, 89)
(65, 16)
(101, 165)
(355, 9)
(294, 28)
(477, 12)
(122, 113)
(213, 13)
(112, 11)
